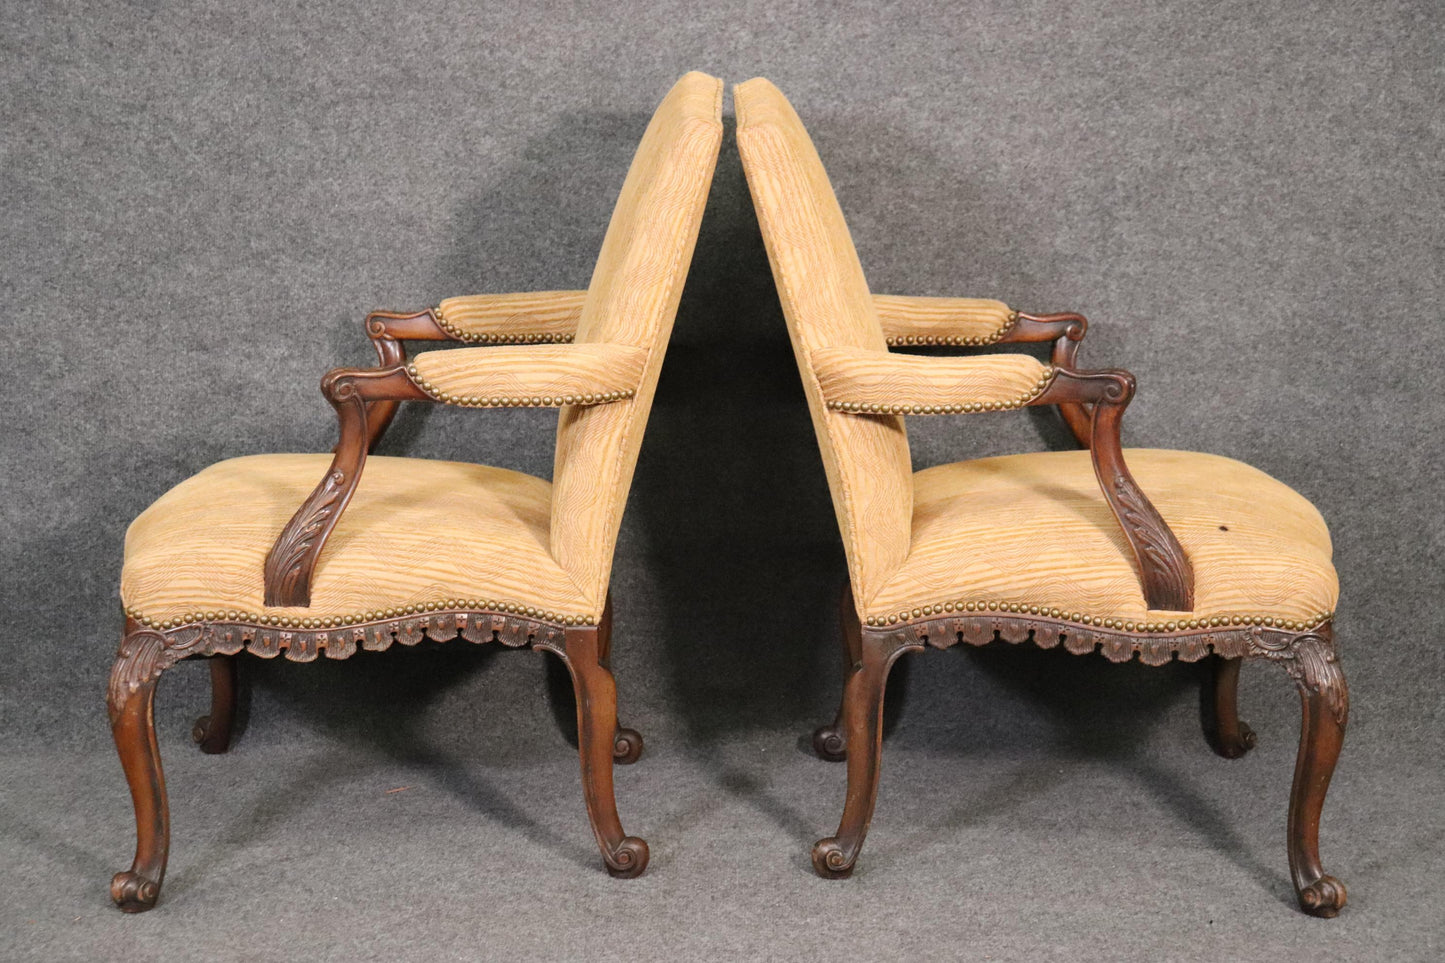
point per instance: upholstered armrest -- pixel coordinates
(879, 382)
(538, 375)
(538, 317)
(864, 383)
(545, 376)
(961, 321)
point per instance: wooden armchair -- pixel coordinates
(1218, 561)
(394, 550)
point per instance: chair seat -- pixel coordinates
(1035, 530)
(416, 532)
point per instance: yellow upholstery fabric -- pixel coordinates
(416, 531)
(548, 371)
(1026, 530)
(915, 320)
(1035, 529)
(912, 384)
(826, 303)
(419, 531)
(539, 315)
(632, 300)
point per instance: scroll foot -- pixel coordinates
(133, 893)
(626, 746)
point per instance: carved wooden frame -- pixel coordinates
(1093, 404)
(365, 401)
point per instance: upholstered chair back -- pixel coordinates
(826, 303)
(632, 299)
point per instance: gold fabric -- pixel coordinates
(551, 371)
(416, 531)
(551, 315)
(1030, 530)
(926, 320)
(881, 379)
(1035, 529)
(632, 300)
(826, 303)
(419, 531)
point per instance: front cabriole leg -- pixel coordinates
(835, 856)
(1311, 661)
(143, 656)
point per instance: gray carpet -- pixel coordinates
(198, 204)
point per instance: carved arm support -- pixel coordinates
(540, 376)
(864, 382)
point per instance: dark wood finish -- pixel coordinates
(1308, 656)
(1164, 570)
(387, 329)
(292, 559)
(1226, 733)
(212, 732)
(835, 856)
(145, 654)
(597, 734)
(626, 743)
(831, 741)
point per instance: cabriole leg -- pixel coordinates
(132, 721)
(1325, 708)
(1219, 706)
(835, 856)
(597, 731)
(830, 742)
(626, 743)
(213, 732)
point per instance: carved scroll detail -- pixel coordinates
(148, 652)
(1311, 661)
(1308, 656)
(143, 656)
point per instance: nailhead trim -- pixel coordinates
(1128, 625)
(865, 408)
(923, 339)
(373, 615)
(537, 401)
(487, 337)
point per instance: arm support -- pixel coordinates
(862, 382)
(550, 376)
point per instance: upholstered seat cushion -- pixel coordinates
(416, 532)
(1034, 530)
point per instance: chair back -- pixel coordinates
(827, 303)
(632, 299)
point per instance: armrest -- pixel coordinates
(546, 375)
(863, 382)
(535, 318)
(968, 321)
(540, 317)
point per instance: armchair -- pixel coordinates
(1217, 561)
(387, 550)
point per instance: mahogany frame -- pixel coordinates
(365, 401)
(1093, 403)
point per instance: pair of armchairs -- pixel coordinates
(1216, 561)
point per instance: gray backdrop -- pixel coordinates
(200, 203)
